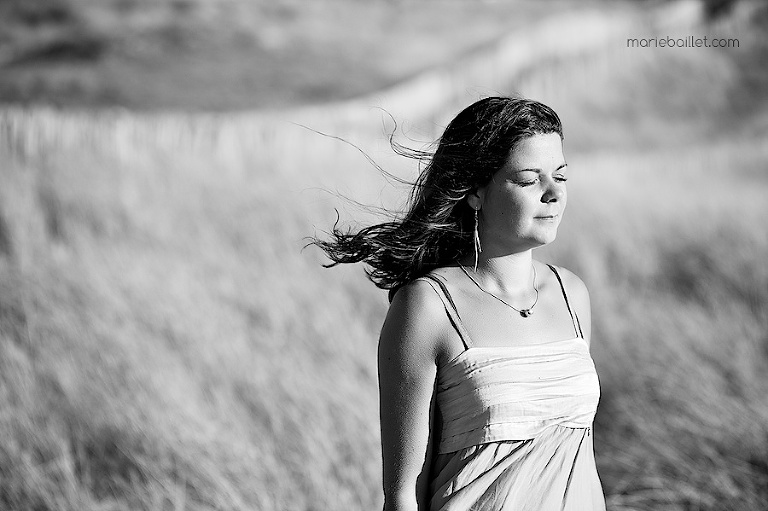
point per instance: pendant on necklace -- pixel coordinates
(526, 312)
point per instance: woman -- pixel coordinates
(487, 388)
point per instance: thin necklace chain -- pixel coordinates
(523, 312)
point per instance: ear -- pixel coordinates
(475, 198)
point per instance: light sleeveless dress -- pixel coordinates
(514, 424)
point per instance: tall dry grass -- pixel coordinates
(166, 344)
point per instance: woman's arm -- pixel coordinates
(408, 354)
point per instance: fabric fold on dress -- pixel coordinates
(515, 392)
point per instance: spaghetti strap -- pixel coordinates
(574, 316)
(450, 307)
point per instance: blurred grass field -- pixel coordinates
(166, 344)
(231, 54)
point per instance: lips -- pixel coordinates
(546, 217)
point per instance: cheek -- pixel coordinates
(518, 212)
(512, 207)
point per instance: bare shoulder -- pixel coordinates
(574, 286)
(578, 295)
(414, 324)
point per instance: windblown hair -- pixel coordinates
(438, 226)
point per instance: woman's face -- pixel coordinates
(521, 207)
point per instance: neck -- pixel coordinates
(509, 274)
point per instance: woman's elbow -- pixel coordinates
(401, 501)
(409, 498)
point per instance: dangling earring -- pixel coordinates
(478, 248)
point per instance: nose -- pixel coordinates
(553, 191)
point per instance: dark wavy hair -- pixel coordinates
(438, 226)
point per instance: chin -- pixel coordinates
(545, 238)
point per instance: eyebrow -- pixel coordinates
(562, 166)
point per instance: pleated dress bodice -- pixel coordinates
(488, 394)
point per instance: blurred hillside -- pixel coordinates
(165, 344)
(234, 54)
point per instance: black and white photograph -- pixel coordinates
(394, 255)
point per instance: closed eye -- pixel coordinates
(559, 179)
